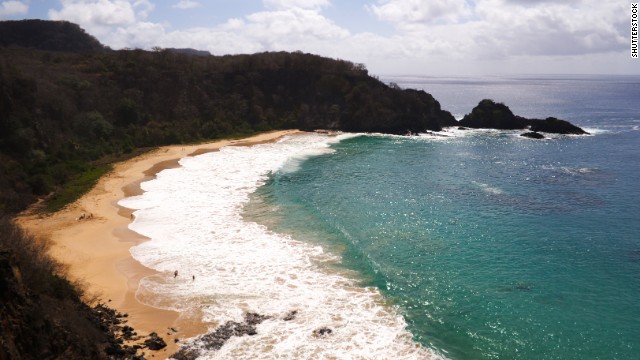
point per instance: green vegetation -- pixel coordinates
(75, 188)
(63, 113)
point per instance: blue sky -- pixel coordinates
(391, 37)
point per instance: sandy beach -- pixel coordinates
(96, 249)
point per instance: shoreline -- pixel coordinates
(95, 250)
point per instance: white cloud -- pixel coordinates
(9, 8)
(294, 26)
(290, 29)
(186, 4)
(303, 4)
(217, 41)
(142, 7)
(500, 29)
(421, 11)
(562, 28)
(99, 16)
(438, 36)
(144, 35)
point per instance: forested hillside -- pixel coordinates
(62, 114)
(48, 35)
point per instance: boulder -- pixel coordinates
(155, 342)
(556, 126)
(322, 331)
(532, 135)
(290, 315)
(215, 340)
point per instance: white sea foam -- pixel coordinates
(570, 170)
(444, 134)
(192, 216)
(488, 189)
(595, 131)
(611, 129)
(576, 171)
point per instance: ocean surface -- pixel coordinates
(475, 244)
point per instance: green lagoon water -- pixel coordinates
(490, 245)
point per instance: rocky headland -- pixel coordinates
(489, 114)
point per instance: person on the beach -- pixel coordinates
(193, 277)
(175, 274)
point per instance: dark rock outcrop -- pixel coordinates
(491, 115)
(155, 342)
(322, 331)
(532, 135)
(290, 315)
(556, 126)
(216, 339)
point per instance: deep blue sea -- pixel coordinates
(491, 246)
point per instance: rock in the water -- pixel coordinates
(322, 331)
(290, 315)
(186, 354)
(216, 339)
(255, 319)
(520, 286)
(155, 342)
(556, 126)
(533, 135)
(491, 115)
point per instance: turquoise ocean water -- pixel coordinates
(490, 245)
